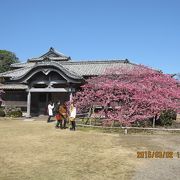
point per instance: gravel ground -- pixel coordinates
(159, 168)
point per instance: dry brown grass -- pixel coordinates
(37, 151)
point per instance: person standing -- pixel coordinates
(57, 115)
(50, 111)
(56, 107)
(63, 115)
(72, 117)
(59, 121)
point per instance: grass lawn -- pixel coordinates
(35, 150)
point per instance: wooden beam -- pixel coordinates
(52, 90)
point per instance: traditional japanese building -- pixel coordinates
(52, 76)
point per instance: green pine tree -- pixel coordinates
(6, 59)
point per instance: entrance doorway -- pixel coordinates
(43, 102)
(40, 100)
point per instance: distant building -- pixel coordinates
(52, 76)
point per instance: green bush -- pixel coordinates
(17, 113)
(13, 112)
(2, 113)
(167, 116)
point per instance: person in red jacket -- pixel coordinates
(62, 117)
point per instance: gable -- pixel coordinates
(46, 70)
(51, 55)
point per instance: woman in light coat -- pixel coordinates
(72, 117)
(50, 111)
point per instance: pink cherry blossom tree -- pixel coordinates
(134, 94)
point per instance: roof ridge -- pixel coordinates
(97, 61)
(54, 50)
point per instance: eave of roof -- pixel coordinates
(59, 66)
(21, 72)
(16, 72)
(13, 86)
(75, 68)
(75, 62)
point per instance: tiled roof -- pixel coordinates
(89, 68)
(16, 72)
(81, 68)
(49, 58)
(20, 65)
(60, 66)
(53, 52)
(13, 86)
(19, 73)
(51, 55)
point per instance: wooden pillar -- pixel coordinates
(70, 93)
(28, 105)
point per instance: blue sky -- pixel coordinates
(143, 31)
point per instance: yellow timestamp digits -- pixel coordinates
(156, 154)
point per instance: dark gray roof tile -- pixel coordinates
(16, 72)
(78, 68)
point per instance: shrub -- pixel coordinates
(167, 117)
(13, 112)
(2, 113)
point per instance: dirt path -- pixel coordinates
(160, 168)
